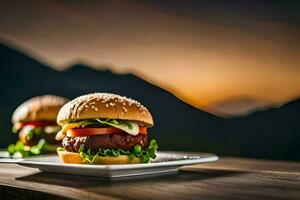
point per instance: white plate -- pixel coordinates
(165, 163)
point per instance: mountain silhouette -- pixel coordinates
(269, 134)
(277, 132)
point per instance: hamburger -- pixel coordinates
(35, 123)
(103, 128)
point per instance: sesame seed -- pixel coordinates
(107, 99)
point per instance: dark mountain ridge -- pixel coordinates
(178, 125)
(273, 133)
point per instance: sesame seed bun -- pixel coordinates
(41, 108)
(74, 158)
(105, 106)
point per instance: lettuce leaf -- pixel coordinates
(145, 154)
(32, 132)
(20, 150)
(131, 128)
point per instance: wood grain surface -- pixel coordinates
(229, 178)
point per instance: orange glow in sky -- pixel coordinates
(200, 61)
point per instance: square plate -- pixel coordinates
(166, 162)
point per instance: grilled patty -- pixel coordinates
(50, 138)
(110, 141)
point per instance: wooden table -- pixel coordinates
(229, 178)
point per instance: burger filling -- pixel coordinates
(99, 137)
(30, 135)
(34, 138)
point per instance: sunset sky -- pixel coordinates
(202, 52)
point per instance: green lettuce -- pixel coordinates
(20, 150)
(145, 154)
(32, 132)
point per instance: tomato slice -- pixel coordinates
(143, 130)
(98, 131)
(37, 123)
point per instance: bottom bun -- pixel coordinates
(75, 158)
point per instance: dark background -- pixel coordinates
(185, 60)
(272, 134)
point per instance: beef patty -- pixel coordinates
(50, 138)
(111, 141)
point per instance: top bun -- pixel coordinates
(41, 108)
(105, 106)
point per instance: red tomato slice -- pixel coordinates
(37, 123)
(143, 130)
(98, 131)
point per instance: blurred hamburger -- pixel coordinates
(103, 128)
(35, 123)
